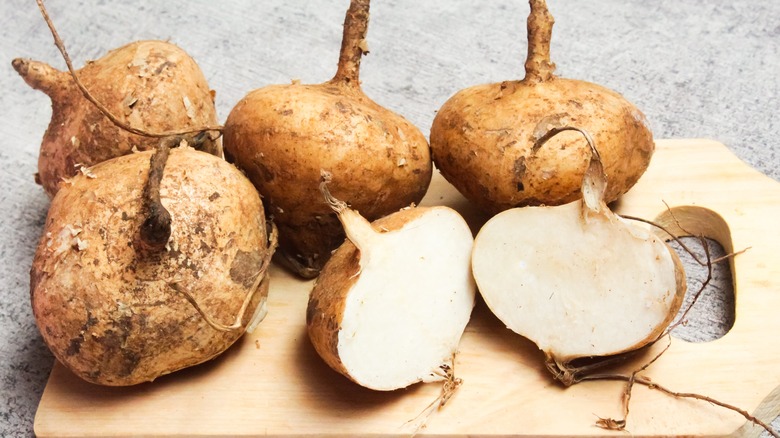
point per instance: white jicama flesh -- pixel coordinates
(389, 308)
(576, 279)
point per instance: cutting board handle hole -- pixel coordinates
(713, 313)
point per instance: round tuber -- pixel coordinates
(150, 85)
(282, 135)
(482, 137)
(142, 271)
(389, 308)
(576, 279)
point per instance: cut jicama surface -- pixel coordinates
(390, 307)
(576, 279)
(577, 286)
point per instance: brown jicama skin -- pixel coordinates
(150, 85)
(123, 293)
(576, 279)
(283, 135)
(482, 138)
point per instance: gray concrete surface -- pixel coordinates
(697, 68)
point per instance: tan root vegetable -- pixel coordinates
(140, 273)
(150, 85)
(482, 138)
(576, 279)
(389, 308)
(282, 135)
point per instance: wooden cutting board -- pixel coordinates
(273, 384)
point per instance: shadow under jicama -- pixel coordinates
(335, 392)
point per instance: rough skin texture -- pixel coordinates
(152, 85)
(283, 136)
(482, 142)
(111, 313)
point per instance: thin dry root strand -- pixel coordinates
(614, 424)
(560, 371)
(642, 380)
(555, 130)
(335, 204)
(450, 386)
(611, 424)
(569, 373)
(357, 228)
(652, 385)
(353, 45)
(538, 67)
(683, 318)
(594, 182)
(259, 277)
(679, 241)
(100, 106)
(448, 390)
(634, 377)
(708, 262)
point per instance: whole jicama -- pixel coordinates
(482, 138)
(153, 86)
(283, 135)
(150, 263)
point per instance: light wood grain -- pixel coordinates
(273, 384)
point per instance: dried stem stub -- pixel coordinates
(538, 66)
(156, 227)
(353, 43)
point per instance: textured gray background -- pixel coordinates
(696, 68)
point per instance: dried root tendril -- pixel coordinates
(448, 390)
(594, 182)
(259, 277)
(707, 262)
(634, 377)
(357, 228)
(156, 227)
(336, 205)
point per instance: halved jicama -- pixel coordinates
(576, 279)
(390, 306)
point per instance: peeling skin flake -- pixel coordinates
(66, 240)
(79, 244)
(85, 170)
(74, 231)
(128, 103)
(188, 107)
(363, 46)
